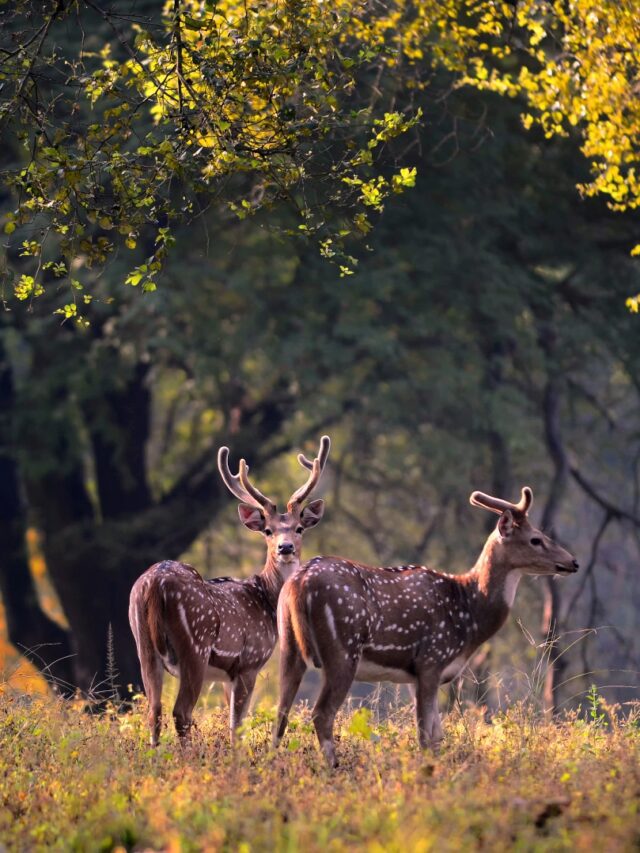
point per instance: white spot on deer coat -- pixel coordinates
(183, 619)
(331, 622)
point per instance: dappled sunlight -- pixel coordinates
(47, 597)
(16, 671)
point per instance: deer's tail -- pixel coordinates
(296, 617)
(154, 617)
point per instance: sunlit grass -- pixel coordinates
(73, 781)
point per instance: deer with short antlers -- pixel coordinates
(405, 624)
(222, 629)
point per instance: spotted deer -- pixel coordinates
(405, 624)
(223, 629)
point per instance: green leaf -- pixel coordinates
(192, 24)
(359, 724)
(67, 311)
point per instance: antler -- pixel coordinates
(239, 485)
(316, 467)
(255, 494)
(497, 505)
(325, 447)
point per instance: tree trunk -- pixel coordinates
(34, 634)
(95, 557)
(551, 613)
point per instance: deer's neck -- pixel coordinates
(492, 584)
(273, 576)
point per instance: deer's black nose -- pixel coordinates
(285, 548)
(576, 564)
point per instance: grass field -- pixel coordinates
(74, 781)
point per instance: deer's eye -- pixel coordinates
(536, 540)
(299, 530)
(268, 531)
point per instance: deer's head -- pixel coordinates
(518, 543)
(283, 531)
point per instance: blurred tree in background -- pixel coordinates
(481, 343)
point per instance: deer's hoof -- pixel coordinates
(330, 754)
(432, 746)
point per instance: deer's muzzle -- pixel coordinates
(568, 570)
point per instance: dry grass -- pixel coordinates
(72, 781)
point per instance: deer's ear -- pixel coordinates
(506, 524)
(251, 517)
(312, 514)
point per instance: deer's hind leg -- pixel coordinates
(191, 680)
(152, 672)
(292, 669)
(152, 676)
(338, 671)
(240, 697)
(427, 711)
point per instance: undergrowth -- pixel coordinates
(70, 780)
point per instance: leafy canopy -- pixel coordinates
(242, 104)
(232, 103)
(575, 64)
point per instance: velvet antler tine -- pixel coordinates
(325, 447)
(526, 500)
(316, 467)
(498, 505)
(239, 485)
(256, 495)
(306, 463)
(304, 491)
(489, 502)
(231, 481)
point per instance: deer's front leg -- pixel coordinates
(427, 711)
(241, 691)
(292, 668)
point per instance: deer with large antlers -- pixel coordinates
(405, 624)
(222, 629)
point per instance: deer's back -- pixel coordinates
(226, 620)
(391, 618)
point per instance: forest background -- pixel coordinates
(403, 260)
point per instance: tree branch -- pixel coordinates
(614, 510)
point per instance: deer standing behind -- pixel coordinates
(223, 629)
(405, 624)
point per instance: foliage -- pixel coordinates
(117, 139)
(221, 103)
(575, 65)
(597, 717)
(73, 781)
